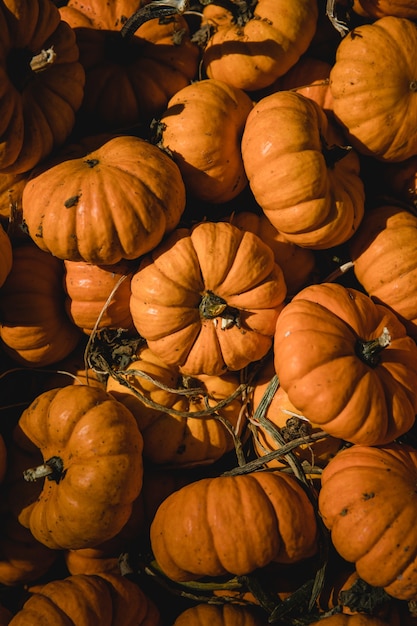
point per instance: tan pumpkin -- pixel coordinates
(207, 298)
(114, 198)
(302, 175)
(264, 517)
(34, 327)
(202, 128)
(374, 93)
(252, 47)
(171, 435)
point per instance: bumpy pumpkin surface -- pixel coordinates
(347, 364)
(264, 517)
(213, 114)
(114, 197)
(207, 298)
(270, 41)
(42, 82)
(89, 448)
(375, 94)
(83, 600)
(368, 501)
(383, 253)
(301, 173)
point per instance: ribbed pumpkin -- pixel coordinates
(207, 298)
(98, 295)
(85, 600)
(88, 447)
(251, 48)
(114, 197)
(264, 517)
(34, 327)
(383, 253)
(169, 437)
(368, 501)
(300, 171)
(42, 82)
(202, 128)
(375, 94)
(220, 615)
(129, 80)
(347, 364)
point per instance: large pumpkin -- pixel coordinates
(264, 517)
(80, 451)
(347, 364)
(113, 197)
(207, 298)
(300, 171)
(252, 46)
(368, 501)
(129, 80)
(374, 93)
(383, 253)
(173, 432)
(42, 82)
(202, 128)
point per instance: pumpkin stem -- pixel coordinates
(333, 154)
(369, 351)
(42, 60)
(211, 306)
(52, 469)
(152, 10)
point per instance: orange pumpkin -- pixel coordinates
(305, 181)
(253, 47)
(129, 80)
(42, 83)
(220, 615)
(380, 8)
(207, 298)
(368, 502)
(374, 93)
(34, 327)
(114, 198)
(264, 517)
(88, 447)
(171, 434)
(347, 364)
(202, 128)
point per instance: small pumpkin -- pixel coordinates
(201, 128)
(251, 46)
(302, 174)
(103, 599)
(375, 94)
(88, 447)
(114, 197)
(207, 298)
(34, 327)
(264, 517)
(368, 502)
(171, 434)
(347, 364)
(42, 83)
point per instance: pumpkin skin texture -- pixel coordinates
(34, 327)
(89, 497)
(368, 502)
(215, 615)
(319, 360)
(207, 299)
(255, 54)
(171, 439)
(192, 537)
(83, 600)
(311, 200)
(129, 80)
(374, 94)
(141, 198)
(383, 253)
(213, 113)
(38, 106)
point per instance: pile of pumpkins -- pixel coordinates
(208, 312)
